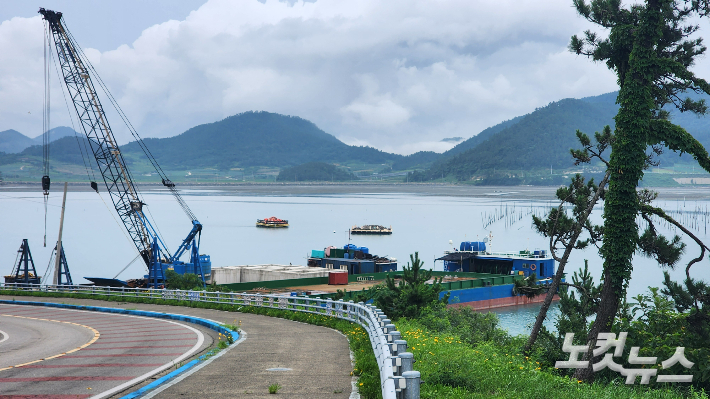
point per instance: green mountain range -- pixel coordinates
(12, 141)
(256, 139)
(538, 141)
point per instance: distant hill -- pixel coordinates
(480, 137)
(538, 140)
(56, 134)
(315, 171)
(12, 141)
(256, 139)
(421, 159)
(66, 149)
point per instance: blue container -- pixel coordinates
(365, 250)
(472, 246)
(367, 267)
(350, 246)
(385, 267)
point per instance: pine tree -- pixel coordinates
(650, 49)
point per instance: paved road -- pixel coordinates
(317, 359)
(53, 353)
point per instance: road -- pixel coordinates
(308, 361)
(53, 353)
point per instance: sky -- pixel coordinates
(398, 75)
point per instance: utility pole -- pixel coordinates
(58, 258)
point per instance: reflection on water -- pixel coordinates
(520, 319)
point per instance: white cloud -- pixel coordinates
(399, 75)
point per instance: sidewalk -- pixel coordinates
(319, 358)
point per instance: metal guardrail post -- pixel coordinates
(389, 327)
(394, 336)
(400, 345)
(413, 379)
(407, 362)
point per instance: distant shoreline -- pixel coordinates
(538, 193)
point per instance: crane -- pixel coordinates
(77, 73)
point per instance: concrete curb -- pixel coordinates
(189, 319)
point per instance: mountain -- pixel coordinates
(480, 137)
(12, 141)
(66, 149)
(256, 139)
(55, 134)
(541, 139)
(421, 159)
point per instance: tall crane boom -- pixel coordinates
(76, 72)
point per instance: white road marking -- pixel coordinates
(4, 335)
(172, 363)
(161, 388)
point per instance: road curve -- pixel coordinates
(56, 353)
(308, 361)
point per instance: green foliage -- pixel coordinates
(453, 368)
(529, 286)
(470, 326)
(411, 295)
(274, 388)
(315, 171)
(187, 281)
(574, 312)
(650, 47)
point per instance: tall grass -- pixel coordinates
(451, 368)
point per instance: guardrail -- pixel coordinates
(398, 380)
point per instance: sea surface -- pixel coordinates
(97, 245)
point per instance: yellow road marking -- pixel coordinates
(96, 336)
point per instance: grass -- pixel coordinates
(366, 368)
(274, 388)
(453, 369)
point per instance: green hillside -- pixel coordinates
(256, 139)
(539, 140)
(315, 171)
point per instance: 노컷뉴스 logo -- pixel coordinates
(605, 341)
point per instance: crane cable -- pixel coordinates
(165, 180)
(88, 166)
(45, 129)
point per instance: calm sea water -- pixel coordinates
(96, 245)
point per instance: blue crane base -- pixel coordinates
(156, 276)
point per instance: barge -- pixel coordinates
(271, 222)
(353, 259)
(473, 257)
(371, 229)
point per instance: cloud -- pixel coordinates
(399, 75)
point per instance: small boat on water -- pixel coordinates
(371, 229)
(271, 222)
